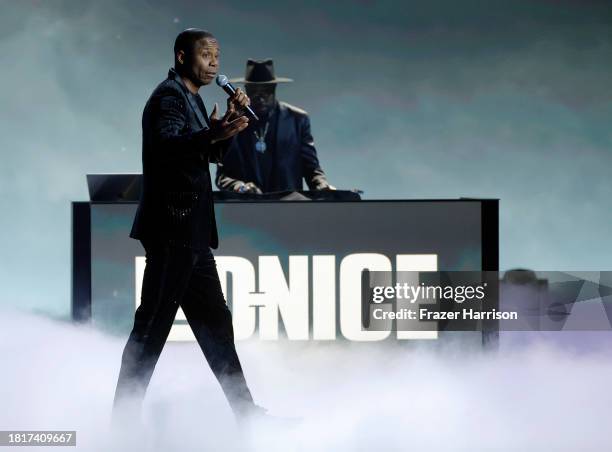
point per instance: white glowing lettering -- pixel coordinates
(286, 298)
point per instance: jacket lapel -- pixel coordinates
(284, 128)
(244, 144)
(269, 163)
(202, 120)
(196, 110)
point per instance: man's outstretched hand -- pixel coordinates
(233, 121)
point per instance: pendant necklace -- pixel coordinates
(260, 144)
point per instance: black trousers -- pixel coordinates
(176, 276)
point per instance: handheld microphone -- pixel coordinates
(224, 83)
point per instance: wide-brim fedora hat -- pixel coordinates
(260, 73)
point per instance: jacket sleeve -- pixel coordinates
(228, 175)
(218, 151)
(312, 171)
(169, 128)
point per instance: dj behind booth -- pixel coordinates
(275, 153)
(286, 274)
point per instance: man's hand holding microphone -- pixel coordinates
(233, 121)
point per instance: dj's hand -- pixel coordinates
(229, 125)
(325, 187)
(249, 187)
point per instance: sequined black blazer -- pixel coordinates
(176, 204)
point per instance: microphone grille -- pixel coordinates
(221, 80)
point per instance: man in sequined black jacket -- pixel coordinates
(176, 204)
(175, 223)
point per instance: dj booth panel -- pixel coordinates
(462, 234)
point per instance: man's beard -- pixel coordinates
(263, 113)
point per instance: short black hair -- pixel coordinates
(187, 39)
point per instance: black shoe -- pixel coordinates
(250, 413)
(259, 416)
